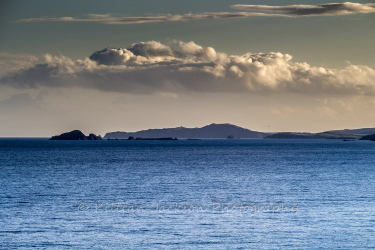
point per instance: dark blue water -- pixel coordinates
(208, 194)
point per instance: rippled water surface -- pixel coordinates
(207, 194)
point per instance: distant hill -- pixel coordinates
(368, 137)
(324, 135)
(233, 131)
(332, 134)
(346, 133)
(337, 135)
(209, 131)
(360, 131)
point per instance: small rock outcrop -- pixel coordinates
(75, 135)
(93, 137)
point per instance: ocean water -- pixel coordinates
(206, 194)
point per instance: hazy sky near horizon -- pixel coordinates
(102, 66)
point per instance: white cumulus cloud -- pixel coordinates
(152, 67)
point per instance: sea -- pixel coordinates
(187, 194)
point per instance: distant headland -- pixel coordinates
(212, 131)
(229, 131)
(219, 131)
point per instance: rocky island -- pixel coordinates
(75, 135)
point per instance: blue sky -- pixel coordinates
(335, 45)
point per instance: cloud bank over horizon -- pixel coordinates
(152, 67)
(329, 9)
(108, 19)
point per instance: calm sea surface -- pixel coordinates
(207, 194)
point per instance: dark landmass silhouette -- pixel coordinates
(226, 130)
(338, 135)
(210, 131)
(219, 131)
(75, 135)
(289, 135)
(360, 131)
(368, 137)
(131, 138)
(323, 135)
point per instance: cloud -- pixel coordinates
(265, 11)
(106, 19)
(17, 99)
(329, 9)
(22, 101)
(13, 62)
(152, 67)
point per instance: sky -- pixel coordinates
(129, 65)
